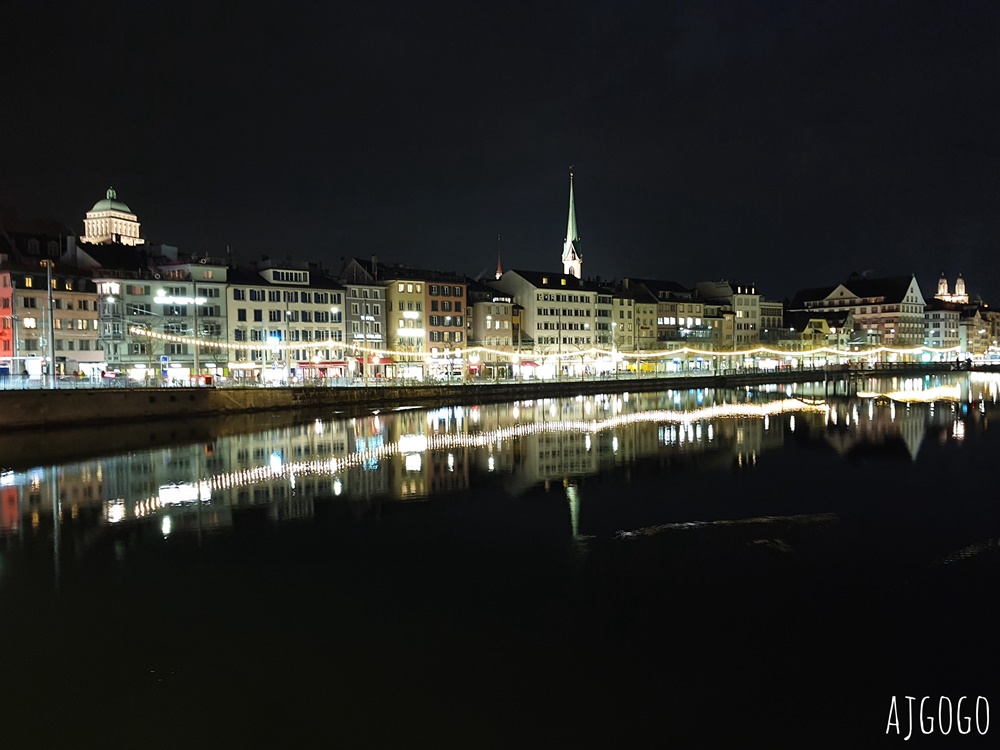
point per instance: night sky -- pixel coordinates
(785, 144)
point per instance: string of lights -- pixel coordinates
(592, 352)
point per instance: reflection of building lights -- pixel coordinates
(911, 392)
(413, 462)
(165, 526)
(451, 462)
(187, 492)
(275, 462)
(338, 487)
(116, 512)
(412, 443)
(614, 443)
(375, 449)
(586, 441)
(491, 463)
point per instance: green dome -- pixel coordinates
(111, 204)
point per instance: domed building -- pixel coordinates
(111, 221)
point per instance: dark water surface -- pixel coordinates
(657, 569)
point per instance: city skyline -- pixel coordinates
(782, 147)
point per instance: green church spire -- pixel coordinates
(572, 260)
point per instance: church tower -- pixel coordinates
(572, 260)
(960, 296)
(960, 293)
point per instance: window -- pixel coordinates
(258, 316)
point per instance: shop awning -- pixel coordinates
(529, 364)
(307, 363)
(374, 360)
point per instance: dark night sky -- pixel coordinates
(782, 143)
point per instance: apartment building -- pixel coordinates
(745, 303)
(888, 310)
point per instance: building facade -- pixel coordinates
(887, 310)
(745, 304)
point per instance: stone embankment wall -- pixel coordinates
(75, 407)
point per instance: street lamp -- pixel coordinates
(163, 299)
(51, 324)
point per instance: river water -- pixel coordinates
(687, 567)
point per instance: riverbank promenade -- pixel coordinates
(28, 405)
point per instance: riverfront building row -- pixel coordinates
(110, 302)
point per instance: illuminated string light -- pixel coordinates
(592, 353)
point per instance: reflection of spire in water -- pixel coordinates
(879, 424)
(912, 430)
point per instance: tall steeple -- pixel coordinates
(572, 260)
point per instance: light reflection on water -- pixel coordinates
(415, 454)
(711, 564)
